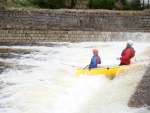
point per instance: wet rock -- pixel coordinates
(147, 72)
(141, 97)
(8, 55)
(14, 52)
(1, 69)
(4, 66)
(15, 44)
(34, 44)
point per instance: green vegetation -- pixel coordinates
(75, 4)
(17, 4)
(50, 4)
(102, 4)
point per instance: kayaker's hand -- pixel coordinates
(89, 69)
(118, 58)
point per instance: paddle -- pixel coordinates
(75, 66)
(70, 65)
(85, 67)
(141, 60)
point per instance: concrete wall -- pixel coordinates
(75, 19)
(141, 97)
(69, 25)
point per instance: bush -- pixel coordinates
(21, 3)
(52, 4)
(136, 5)
(126, 5)
(147, 6)
(102, 4)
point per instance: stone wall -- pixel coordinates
(32, 36)
(75, 20)
(69, 25)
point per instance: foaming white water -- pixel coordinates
(49, 85)
(114, 95)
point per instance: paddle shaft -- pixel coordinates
(141, 60)
(85, 66)
(69, 65)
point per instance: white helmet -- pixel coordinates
(130, 42)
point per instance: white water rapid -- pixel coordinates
(49, 85)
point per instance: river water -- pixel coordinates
(49, 84)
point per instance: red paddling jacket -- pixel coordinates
(127, 54)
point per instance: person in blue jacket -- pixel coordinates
(95, 60)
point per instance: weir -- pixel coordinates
(25, 27)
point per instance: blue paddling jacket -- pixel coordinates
(95, 60)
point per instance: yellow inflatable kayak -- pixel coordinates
(107, 71)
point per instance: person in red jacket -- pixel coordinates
(127, 54)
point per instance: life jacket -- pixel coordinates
(127, 54)
(95, 60)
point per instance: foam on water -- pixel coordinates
(51, 86)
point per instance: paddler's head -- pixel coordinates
(129, 43)
(95, 52)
